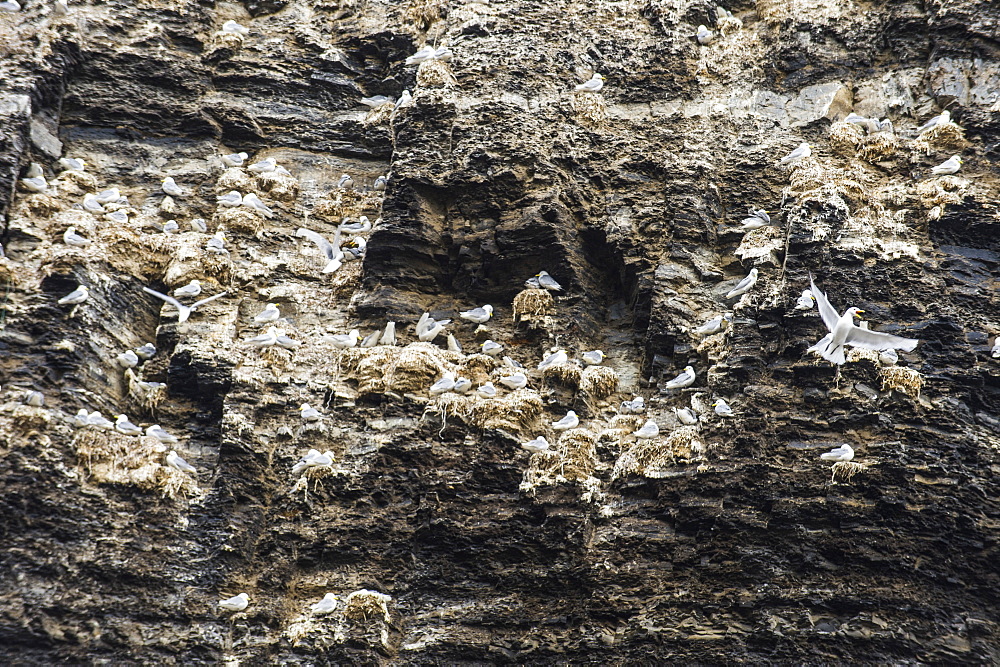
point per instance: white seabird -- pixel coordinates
(79, 295)
(684, 379)
(344, 341)
(193, 288)
(128, 359)
(445, 384)
(331, 251)
(744, 285)
(705, 36)
(722, 408)
(554, 359)
(648, 431)
(271, 313)
(234, 159)
(161, 434)
(844, 332)
(324, 606)
(70, 237)
(183, 312)
(72, 164)
(805, 301)
(170, 187)
(949, 166)
(714, 325)
(592, 85)
(462, 386)
(545, 281)
(800, 153)
(124, 426)
(309, 413)
(486, 390)
(516, 381)
(425, 53)
(254, 202)
(634, 407)
(593, 357)
(491, 348)
(843, 453)
(235, 603)
(567, 422)
(231, 199)
(235, 28)
(686, 416)
(539, 444)
(265, 166)
(175, 461)
(477, 315)
(942, 119)
(389, 335)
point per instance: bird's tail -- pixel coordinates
(823, 349)
(183, 313)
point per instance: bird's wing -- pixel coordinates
(876, 340)
(320, 242)
(198, 304)
(826, 311)
(169, 299)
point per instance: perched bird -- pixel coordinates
(593, 85)
(478, 315)
(376, 101)
(34, 170)
(235, 603)
(312, 459)
(443, 53)
(757, 219)
(117, 217)
(234, 159)
(70, 237)
(539, 444)
(486, 390)
(324, 606)
(286, 342)
(362, 226)
(80, 419)
(714, 325)
(554, 359)
(217, 244)
(345, 182)
(428, 329)
(593, 358)
(800, 153)
(177, 463)
(356, 248)
(128, 359)
(146, 351)
(722, 408)
(843, 453)
(705, 36)
(231, 199)
(491, 349)
(648, 431)
(35, 184)
(171, 188)
(344, 341)
(744, 285)
(844, 332)
(885, 125)
(79, 295)
(236, 28)
(309, 413)
(445, 384)
(511, 363)
(425, 53)
(269, 314)
(252, 201)
(267, 339)
(685, 379)
(942, 119)
(567, 422)
(72, 164)
(371, 340)
(634, 407)
(264, 166)
(183, 312)
(995, 352)
(545, 281)
(462, 386)
(155, 431)
(331, 251)
(10, 6)
(91, 204)
(95, 418)
(109, 196)
(888, 357)
(949, 166)
(405, 100)
(125, 427)
(805, 301)
(389, 335)
(35, 399)
(686, 416)
(870, 124)
(171, 227)
(453, 344)
(516, 381)
(379, 184)
(193, 288)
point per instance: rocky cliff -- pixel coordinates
(440, 538)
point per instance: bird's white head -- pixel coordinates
(488, 308)
(855, 312)
(304, 407)
(689, 369)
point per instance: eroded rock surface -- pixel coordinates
(440, 538)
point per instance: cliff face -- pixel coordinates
(727, 540)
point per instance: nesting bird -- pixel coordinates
(234, 159)
(161, 434)
(175, 461)
(554, 359)
(271, 313)
(593, 85)
(171, 188)
(800, 153)
(722, 408)
(514, 382)
(79, 295)
(684, 379)
(445, 384)
(477, 315)
(567, 422)
(843, 453)
(705, 36)
(324, 606)
(648, 431)
(539, 444)
(744, 285)
(949, 166)
(805, 301)
(309, 413)
(593, 357)
(235, 603)
(125, 427)
(70, 237)
(128, 359)
(491, 349)
(714, 325)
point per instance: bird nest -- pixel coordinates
(879, 146)
(948, 136)
(239, 219)
(517, 411)
(578, 449)
(940, 191)
(845, 137)
(650, 457)
(227, 40)
(80, 179)
(435, 74)
(573, 460)
(712, 347)
(234, 178)
(762, 245)
(279, 187)
(112, 458)
(379, 115)
(28, 418)
(424, 13)
(144, 398)
(384, 368)
(590, 108)
(478, 367)
(567, 374)
(42, 205)
(844, 471)
(599, 381)
(340, 204)
(532, 304)
(627, 423)
(364, 605)
(906, 380)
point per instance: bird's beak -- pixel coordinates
(858, 313)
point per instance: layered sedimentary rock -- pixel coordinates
(441, 539)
